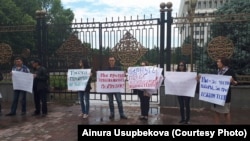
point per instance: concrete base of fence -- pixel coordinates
(240, 97)
(7, 92)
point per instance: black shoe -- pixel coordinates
(35, 114)
(23, 113)
(10, 114)
(123, 117)
(143, 118)
(182, 121)
(111, 117)
(186, 122)
(44, 115)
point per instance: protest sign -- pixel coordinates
(77, 79)
(22, 81)
(180, 83)
(110, 81)
(214, 88)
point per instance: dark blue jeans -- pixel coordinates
(84, 96)
(119, 102)
(16, 95)
(184, 102)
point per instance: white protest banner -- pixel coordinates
(160, 79)
(159, 82)
(143, 77)
(77, 79)
(180, 83)
(22, 81)
(214, 88)
(110, 81)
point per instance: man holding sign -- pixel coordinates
(113, 67)
(18, 67)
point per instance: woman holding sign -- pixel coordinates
(184, 101)
(144, 99)
(84, 95)
(223, 69)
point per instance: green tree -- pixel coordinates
(59, 23)
(12, 15)
(237, 31)
(28, 7)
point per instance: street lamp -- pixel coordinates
(191, 14)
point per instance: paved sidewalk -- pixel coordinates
(61, 122)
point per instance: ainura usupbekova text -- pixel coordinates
(129, 133)
(174, 133)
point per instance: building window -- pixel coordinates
(205, 4)
(201, 41)
(210, 4)
(196, 24)
(197, 40)
(199, 5)
(221, 3)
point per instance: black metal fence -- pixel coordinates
(128, 40)
(163, 41)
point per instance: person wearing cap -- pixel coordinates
(40, 88)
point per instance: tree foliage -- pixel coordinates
(237, 31)
(59, 23)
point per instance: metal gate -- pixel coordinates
(128, 40)
(162, 41)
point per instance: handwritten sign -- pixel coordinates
(214, 88)
(110, 81)
(180, 83)
(153, 91)
(143, 77)
(22, 81)
(77, 79)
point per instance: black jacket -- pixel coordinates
(41, 79)
(230, 72)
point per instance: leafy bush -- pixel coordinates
(58, 82)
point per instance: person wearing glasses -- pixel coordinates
(184, 101)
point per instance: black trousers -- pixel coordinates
(144, 103)
(40, 97)
(184, 102)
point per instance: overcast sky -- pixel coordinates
(102, 9)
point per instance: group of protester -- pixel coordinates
(184, 101)
(40, 89)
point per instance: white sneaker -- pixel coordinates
(80, 115)
(85, 116)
